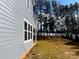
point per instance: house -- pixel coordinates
(17, 28)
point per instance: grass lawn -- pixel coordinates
(55, 48)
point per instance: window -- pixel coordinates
(34, 34)
(25, 35)
(31, 35)
(28, 27)
(31, 28)
(28, 32)
(25, 26)
(28, 35)
(25, 30)
(31, 32)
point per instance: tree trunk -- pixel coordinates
(76, 38)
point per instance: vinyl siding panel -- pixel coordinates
(12, 14)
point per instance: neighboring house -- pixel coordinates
(17, 28)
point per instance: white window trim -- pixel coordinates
(27, 31)
(29, 23)
(24, 32)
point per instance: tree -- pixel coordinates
(51, 24)
(76, 6)
(45, 24)
(47, 5)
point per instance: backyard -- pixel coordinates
(55, 48)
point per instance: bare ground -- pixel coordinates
(55, 48)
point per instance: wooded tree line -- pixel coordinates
(54, 17)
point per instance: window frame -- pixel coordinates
(34, 35)
(28, 31)
(25, 32)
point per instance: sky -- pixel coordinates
(67, 2)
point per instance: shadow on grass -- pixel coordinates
(75, 46)
(77, 53)
(47, 37)
(72, 43)
(44, 37)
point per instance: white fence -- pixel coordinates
(73, 37)
(51, 34)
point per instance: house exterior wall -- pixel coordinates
(12, 15)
